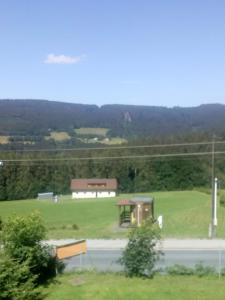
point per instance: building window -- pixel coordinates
(96, 185)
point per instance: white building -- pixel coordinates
(93, 188)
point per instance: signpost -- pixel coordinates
(71, 249)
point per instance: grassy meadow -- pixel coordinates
(185, 214)
(117, 287)
(58, 136)
(93, 131)
(114, 141)
(4, 139)
(98, 132)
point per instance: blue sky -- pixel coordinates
(169, 53)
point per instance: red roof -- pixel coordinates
(124, 202)
(93, 184)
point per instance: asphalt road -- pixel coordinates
(166, 244)
(107, 260)
(103, 254)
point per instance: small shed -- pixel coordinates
(133, 211)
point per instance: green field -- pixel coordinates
(185, 214)
(114, 141)
(98, 134)
(4, 139)
(85, 286)
(92, 131)
(106, 141)
(58, 136)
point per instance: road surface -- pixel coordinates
(103, 255)
(107, 260)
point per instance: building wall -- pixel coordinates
(93, 194)
(80, 195)
(106, 194)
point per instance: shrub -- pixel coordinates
(179, 270)
(140, 254)
(22, 238)
(16, 281)
(222, 199)
(199, 270)
(1, 224)
(75, 227)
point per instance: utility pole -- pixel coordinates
(214, 191)
(215, 222)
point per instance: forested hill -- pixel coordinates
(27, 125)
(39, 117)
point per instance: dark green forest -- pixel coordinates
(36, 118)
(48, 166)
(25, 174)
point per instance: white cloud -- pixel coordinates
(63, 59)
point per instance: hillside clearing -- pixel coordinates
(92, 131)
(58, 136)
(4, 139)
(114, 141)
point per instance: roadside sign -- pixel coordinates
(71, 249)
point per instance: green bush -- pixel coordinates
(16, 281)
(22, 239)
(199, 270)
(75, 227)
(179, 270)
(222, 199)
(140, 254)
(1, 224)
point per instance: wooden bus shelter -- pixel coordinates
(133, 211)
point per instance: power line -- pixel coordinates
(68, 162)
(114, 157)
(114, 147)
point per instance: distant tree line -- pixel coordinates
(38, 118)
(43, 172)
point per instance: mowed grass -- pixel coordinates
(106, 141)
(85, 286)
(98, 132)
(114, 141)
(185, 214)
(93, 131)
(58, 136)
(4, 139)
